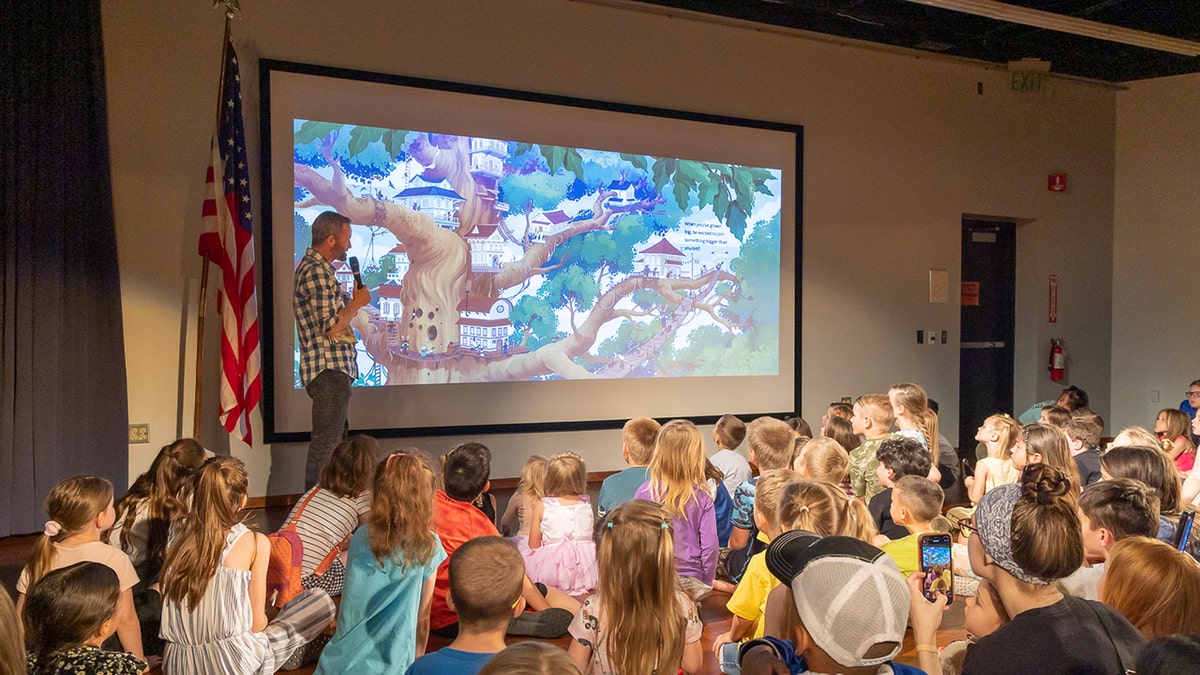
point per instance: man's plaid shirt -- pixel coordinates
(316, 302)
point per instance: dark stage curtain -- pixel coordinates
(63, 405)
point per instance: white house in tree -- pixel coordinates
(487, 247)
(388, 295)
(484, 323)
(345, 278)
(437, 200)
(400, 263)
(547, 223)
(661, 260)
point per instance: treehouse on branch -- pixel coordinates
(484, 324)
(434, 199)
(660, 261)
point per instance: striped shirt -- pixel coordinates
(325, 522)
(316, 303)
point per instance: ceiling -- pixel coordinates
(907, 24)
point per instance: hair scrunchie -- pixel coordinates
(52, 528)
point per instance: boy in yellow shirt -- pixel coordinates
(916, 501)
(749, 599)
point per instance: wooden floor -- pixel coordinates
(15, 550)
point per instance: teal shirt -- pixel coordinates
(619, 487)
(377, 621)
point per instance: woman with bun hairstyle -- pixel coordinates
(1027, 535)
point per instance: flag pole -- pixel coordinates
(204, 260)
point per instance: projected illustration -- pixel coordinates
(491, 260)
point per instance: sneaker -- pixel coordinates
(547, 624)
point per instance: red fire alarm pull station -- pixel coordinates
(1057, 182)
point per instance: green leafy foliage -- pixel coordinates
(536, 314)
(375, 277)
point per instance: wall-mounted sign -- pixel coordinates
(970, 294)
(1053, 313)
(1057, 182)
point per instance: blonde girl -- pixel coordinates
(390, 573)
(329, 512)
(678, 482)
(520, 505)
(823, 459)
(1045, 444)
(71, 612)
(214, 587)
(822, 508)
(999, 434)
(1175, 438)
(639, 620)
(915, 419)
(152, 503)
(561, 554)
(80, 509)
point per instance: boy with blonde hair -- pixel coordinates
(916, 501)
(872, 419)
(771, 444)
(748, 602)
(729, 432)
(637, 445)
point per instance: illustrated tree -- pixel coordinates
(585, 267)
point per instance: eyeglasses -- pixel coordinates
(965, 528)
(1192, 394)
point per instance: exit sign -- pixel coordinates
(1029, 81)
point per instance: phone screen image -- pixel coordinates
(1184, 530)
(934, 551)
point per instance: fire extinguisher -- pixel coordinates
(1058, 360)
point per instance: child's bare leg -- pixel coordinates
(557, 598)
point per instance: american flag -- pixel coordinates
(228, 240)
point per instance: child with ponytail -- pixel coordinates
(639, 620)
(390, 573)
(80, 509)
(916, 420)
(152, 503)
(561, 554)
(214, 588)
(678, 482)
(824, 509)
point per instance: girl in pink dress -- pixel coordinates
(561, 553)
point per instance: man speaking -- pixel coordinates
(327, 353)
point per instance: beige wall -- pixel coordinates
(897, 148)
(1156, 345)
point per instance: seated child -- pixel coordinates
(639, 620)
(80, 509)
(1110, 511)
(390, 571)
(561, 553)
(824, 459)
(1154, 586)
(69, 613)
(771, 444)
(487, 576)
(998, 434)
(872, 419)
(916, 501)
(815, 506)
(728, 433)
(1083, 436)
(329, 512)
(748, 601)
(898, 457)
(678, 482)
(722, 503)
(637, 445)
(831, 580)
(456, 520)
(530, 490)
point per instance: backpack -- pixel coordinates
(284, 571)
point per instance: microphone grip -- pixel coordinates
(354, 268)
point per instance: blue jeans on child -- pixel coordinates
(729, 658)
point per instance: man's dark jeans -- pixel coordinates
(330, 394)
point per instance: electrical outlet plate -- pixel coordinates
(139, 433)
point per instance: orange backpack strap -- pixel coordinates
(291, 524)
(332, 555)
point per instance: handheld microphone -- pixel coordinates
(355, 269)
